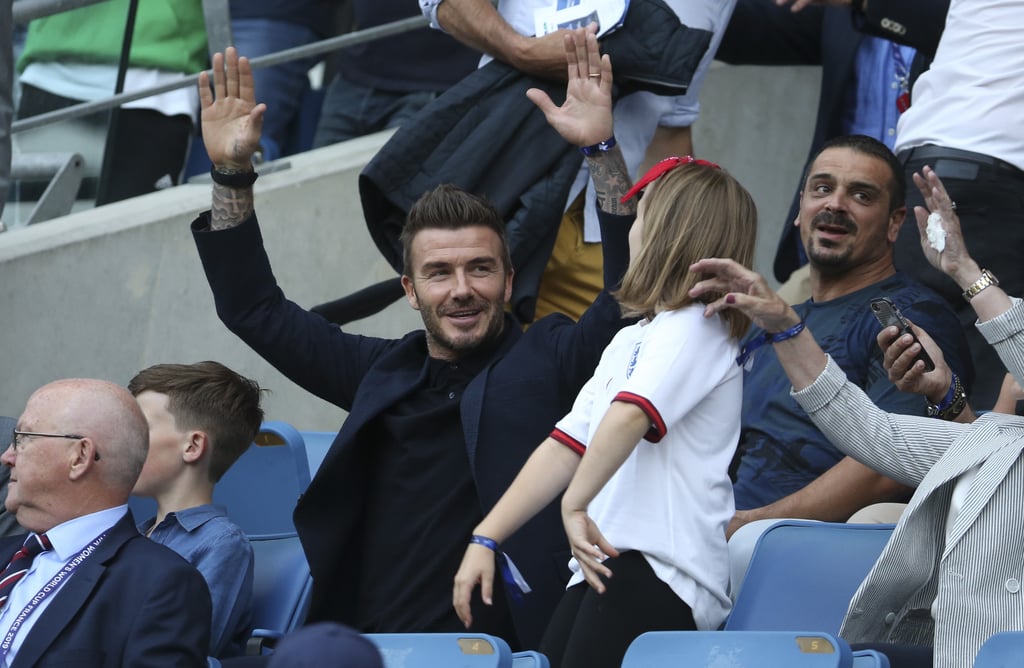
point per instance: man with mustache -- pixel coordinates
(851, 210)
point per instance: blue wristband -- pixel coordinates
(764, 337)
(598, 148)
(489, 543)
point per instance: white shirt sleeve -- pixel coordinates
(680, 361)
(429, 10)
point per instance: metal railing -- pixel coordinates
(65, 172)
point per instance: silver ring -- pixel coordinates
(595, 74)
(952, 205)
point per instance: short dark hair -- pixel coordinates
(876, 149)
(210, 397)
(448, 207)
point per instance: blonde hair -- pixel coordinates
(692, 212)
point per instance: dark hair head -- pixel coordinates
(209, 397)
(448, 207)
(876, 149)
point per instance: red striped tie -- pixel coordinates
(20, 563)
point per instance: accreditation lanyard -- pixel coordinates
(49, 588)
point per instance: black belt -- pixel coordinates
(931, 153)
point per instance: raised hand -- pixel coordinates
(586, 116)
(232, 121)
(954, 255)
(731, 285)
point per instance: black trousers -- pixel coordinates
(147, 147)
(989, 196)
(591, 630)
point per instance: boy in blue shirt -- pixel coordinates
(202, 417)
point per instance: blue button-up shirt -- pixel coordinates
(219, 550)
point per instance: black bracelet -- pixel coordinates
(598, 148)
(233, 178)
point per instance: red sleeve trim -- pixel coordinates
(658, 428)
(568, 441)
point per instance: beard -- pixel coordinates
(827, 256)
(461, 342)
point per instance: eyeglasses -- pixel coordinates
(18, 438)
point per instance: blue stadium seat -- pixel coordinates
(529, 659)
(282, 587)
(442, 650)
(1002, 650)
(261, 488)
(803, 574)
(317, 445)
(869, 658)
(738, 649)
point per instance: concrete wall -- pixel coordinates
(105, 292)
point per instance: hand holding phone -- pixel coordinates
(889, 315)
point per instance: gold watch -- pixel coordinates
(986, 279)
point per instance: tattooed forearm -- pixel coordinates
(611, 181)
(231, 206)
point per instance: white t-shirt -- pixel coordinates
(672, 498)
(972, 96)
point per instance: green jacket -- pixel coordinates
(169, 35)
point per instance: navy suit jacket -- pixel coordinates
(131, 603)
(763, 33)
(507, 410)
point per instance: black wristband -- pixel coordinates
(233, 178)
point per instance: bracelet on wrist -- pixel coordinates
(952, 404)
(233, 178)
(598, 148)
(489, 543)
(765, 337)
(986, 279)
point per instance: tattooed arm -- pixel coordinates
(232, 122)
(585, 119)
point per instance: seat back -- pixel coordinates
(529, 659)
(803, 574)
(1002, 650)
(282, 585)
(737, 649)
(869, 658)
(442, 650)
(317, 445)
(260, 490)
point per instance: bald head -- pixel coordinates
(91, 460)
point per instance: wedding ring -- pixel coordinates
(595, 74)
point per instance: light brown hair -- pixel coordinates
(209, 397)
(692, 212)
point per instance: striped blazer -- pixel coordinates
(969, 574)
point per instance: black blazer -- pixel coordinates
(131, 603)
(507, 410)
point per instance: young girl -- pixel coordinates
(643, 457)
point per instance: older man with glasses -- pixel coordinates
(84, 586)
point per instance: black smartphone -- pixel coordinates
(888, 315)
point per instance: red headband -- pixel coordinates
(660, 169)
